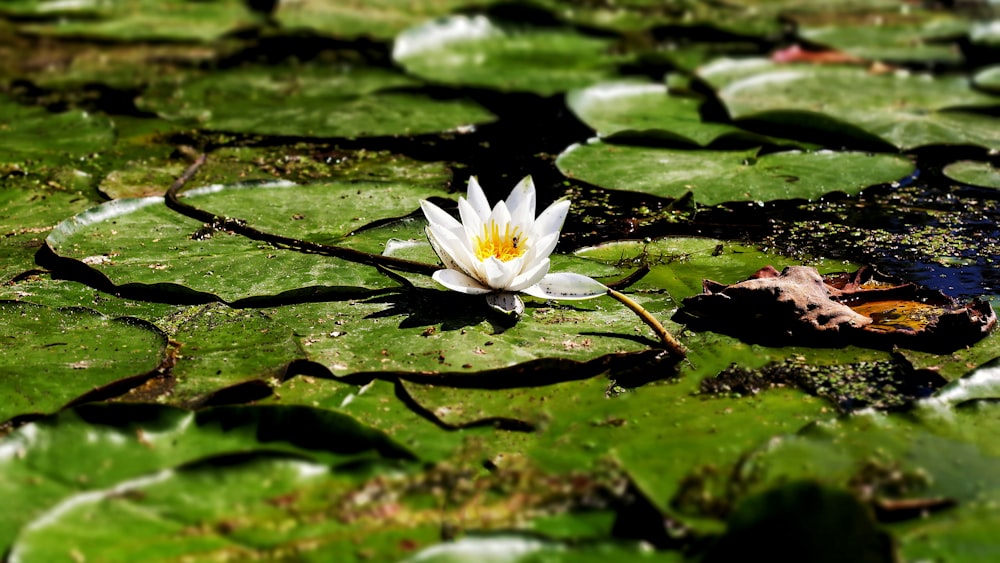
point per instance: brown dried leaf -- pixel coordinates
(798, 306)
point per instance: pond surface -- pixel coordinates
(260, 364)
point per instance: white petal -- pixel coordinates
(477, 198)
(500, 215)
(541, 247)
(471, 221)
(521, 202)
(551, 220)
(533, 275)
(506, 302)
(439, 249)
(451, 241)
(457, 281)
(452, 248)
(457, 246)
(567, 286)
(437, 216)
(500, 274)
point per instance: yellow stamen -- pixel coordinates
(502, 246)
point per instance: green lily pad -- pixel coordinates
(300, 163)
(141, 241)
(125, 66)
(294, 508)
(309, 101)
(146, 519)
(81, 455)
(26, 217)
(142, 178)
(974, 172)
(889, 36)
(127, 20)
(51, 356)
(381, 19)
(218, 347)
(932, 469)
(319, 212)
(17, 257)
(988, 79)
(376, 405)
(479, 51)
(739, 19)
(33, 135)
(985, 33)
(715, 177)
(522, 549)
(678, 265)
(960, 536)
(905, 110)
(697, 430)
(631, 110)
(41, 289)
(431, 331)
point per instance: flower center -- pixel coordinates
(503, 246)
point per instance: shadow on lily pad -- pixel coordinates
(802, 521)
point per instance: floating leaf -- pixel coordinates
(715, 177)
(376, 405)
(478, 51)
(433, 331)
(129, 20)
(32, 134)
(888, 36)
(744, 19)
(79, 457)
(51, 356)
(141, 241)
(220, 347)
(26, 217)
(988, 79)
(929, 474)
(309, 101)
(524, 549)
(41, 289)
(974, 172)
(903, 109)
(985, 33)
(381, 19)
(634, 110)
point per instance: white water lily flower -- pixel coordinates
(503, 251)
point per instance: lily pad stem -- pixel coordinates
(671, 343)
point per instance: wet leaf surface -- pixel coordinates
(308, 102)
(714, 177)
(27, 130)
(903, 109)
(635, 111)
(479, 51)
(976, 173)
(52, 355)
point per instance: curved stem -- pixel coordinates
(672, 345)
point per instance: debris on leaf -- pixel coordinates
(796, 54)
(886, 385)
(864, 308)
